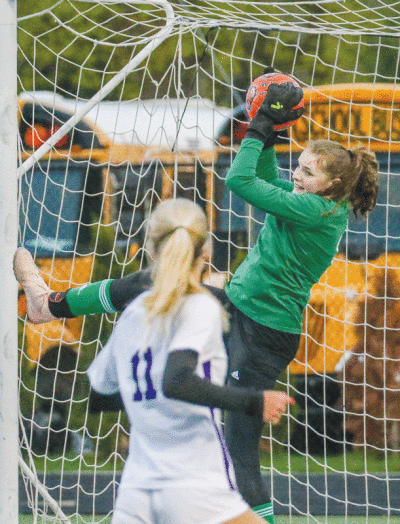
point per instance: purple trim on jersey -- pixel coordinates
(224, 448)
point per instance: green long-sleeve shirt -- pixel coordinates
(294, 248)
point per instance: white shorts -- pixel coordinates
(177, 505)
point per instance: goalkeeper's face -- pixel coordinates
(309, 177)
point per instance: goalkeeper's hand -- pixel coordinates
(276, 108)
(279, 102)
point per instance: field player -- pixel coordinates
(167, 359)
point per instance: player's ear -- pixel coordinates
(334, 182)
(206, 251)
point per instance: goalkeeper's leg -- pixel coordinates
(105, 296)
(44, 305)
(257, 356)
(242, 435)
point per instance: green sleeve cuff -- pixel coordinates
(91, 299)
(252, 142)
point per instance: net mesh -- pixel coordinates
(169, 128)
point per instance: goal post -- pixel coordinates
(9, 409)
(153, 43)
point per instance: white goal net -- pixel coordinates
(122, 104)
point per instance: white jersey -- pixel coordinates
(170, 441)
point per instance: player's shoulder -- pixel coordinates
(201, 298)
(329, 208)
(201, 303)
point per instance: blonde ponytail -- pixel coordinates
(177, 233)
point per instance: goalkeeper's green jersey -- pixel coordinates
(296, 245)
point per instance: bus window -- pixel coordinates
(50, 209)
(136, 190)
(55, 199)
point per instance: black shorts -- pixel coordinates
(257, 354)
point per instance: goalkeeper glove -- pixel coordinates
(276, 108)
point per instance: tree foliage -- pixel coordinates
(212, 62)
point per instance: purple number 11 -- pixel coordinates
(150, 393)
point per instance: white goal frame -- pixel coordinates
(9, 454)
(8, 241)
(199, 102)
(153, 43)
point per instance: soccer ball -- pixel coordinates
(258, 89)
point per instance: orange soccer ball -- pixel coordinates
(258, 89)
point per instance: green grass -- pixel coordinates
(336, 520)
(352, 462)
(355, 462)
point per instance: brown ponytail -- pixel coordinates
(364, 194)
(356, 169)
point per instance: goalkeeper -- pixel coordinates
(305, 220)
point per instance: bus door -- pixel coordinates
(137, 187)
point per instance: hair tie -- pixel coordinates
(197, 247)
(178, 227)
(171, 232)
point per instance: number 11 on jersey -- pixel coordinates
(150, 393)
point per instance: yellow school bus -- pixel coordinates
(60, 199)
(87, 179)
(350, 114)
(104, 181)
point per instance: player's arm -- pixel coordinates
(180, 382)
(267, 170)
(102, 372)
(251, 167)
(105, 296)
